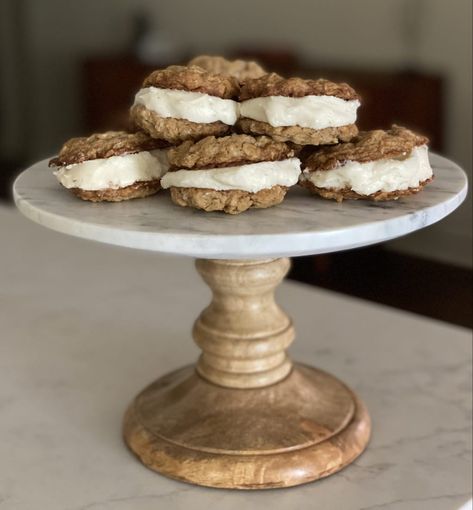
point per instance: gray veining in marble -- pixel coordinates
(301, 225)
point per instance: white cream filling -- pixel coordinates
(382, 175)
(252, 177)
(315, 112)
(114, 172)
(193, 106)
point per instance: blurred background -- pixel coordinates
(71, 68)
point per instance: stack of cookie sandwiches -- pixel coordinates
(228, 136)
(215, 168)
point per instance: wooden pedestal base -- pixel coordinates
(246, 418)
(303, 428)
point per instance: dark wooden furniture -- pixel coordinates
(413, 99)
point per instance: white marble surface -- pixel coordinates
(301, 225)
(85, 326)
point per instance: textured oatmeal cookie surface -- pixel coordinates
(137, 190)
(397, 142)
(231, 202)
(105, 145)
(274, 85)
(348, 194)
(297, 134)
(227, 151)
(194, 79)
(174, 130)
(240, 69)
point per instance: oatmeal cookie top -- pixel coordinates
(275, 85)
(105, 145)
(397, 142)
(194, 79)
(227, 151)
(240, 69)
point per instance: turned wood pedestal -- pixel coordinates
(245, 416)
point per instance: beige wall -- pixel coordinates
(447, 46)
(356, 33)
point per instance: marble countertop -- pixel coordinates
(85, 326)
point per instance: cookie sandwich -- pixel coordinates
(111, 166)
(240, 69)
(305, 112)
(231, 173)
(186, 103)
(375, 165)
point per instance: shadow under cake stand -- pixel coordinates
(245, 416)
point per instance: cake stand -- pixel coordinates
(245, 416)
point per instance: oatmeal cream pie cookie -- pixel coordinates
(375, 165)
(111, 166)
(231, 174)
(240, 69)
(305, 112)
(186, 103)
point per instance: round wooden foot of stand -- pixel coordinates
(295, 431)
(245, 417)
